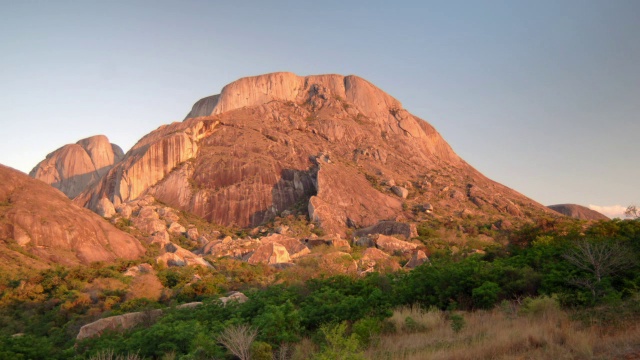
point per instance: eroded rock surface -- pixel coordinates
(74, 167)
(46, 224)
(267, 144)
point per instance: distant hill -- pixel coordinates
(578, 212)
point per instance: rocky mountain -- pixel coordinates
(39, 226)
(578, 212)
(74, 167)
(335, 146)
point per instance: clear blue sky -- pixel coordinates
(542, 96)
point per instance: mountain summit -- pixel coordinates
(335, 146)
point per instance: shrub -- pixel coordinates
(457, 322)
(486, 295)
(544, 306)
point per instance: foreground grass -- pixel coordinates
(546, 333)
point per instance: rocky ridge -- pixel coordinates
(74, 167)
(336, 146)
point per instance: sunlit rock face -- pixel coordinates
(52, 229)
(74, 167)
(331, 145)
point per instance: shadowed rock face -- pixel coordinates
(578, 212)
(73, 167)
(269, 143)
(44, 223)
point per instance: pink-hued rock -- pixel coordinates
(270, 253)
(294, 247)
(53, 229)
(418, 258)
(390, 244)
(373, 258)
(74, 167)
(267, 144)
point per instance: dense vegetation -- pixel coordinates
(591, 270)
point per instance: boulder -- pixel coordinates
(176, 229)
(294, 247)
(193, 234)
(105, 208)
(123, 322)
(365, 241)
(390, 244)
(375, 259)
(118, 323)
(400, 191)
(270, 253)
(235, 296)
(418, 258)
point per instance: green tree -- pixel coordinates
(338, 345)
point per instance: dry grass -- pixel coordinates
(548, 334)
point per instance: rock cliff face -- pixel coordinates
(38, 220)
(332, 144)
(74, 167)
(578, 212)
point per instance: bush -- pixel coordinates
(457, 322)
(338, 345)
(261, 351)
(486, 295)
(367, 330)
(541, 306)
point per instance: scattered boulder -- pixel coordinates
(365, 241)
(418, 258)
(160, 237)
(235, 296)
(270, 253)
(118, 323)
(391, 244)
(105, 208)
(176, 229)
(177, 256)
(193, 234)
(294, 247)
(124, 210)
(375, 259)
(138, 269)
(400, 191)
(123, 322)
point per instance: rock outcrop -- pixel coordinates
(268, 144)
(74, 167)
(124, 321)
(578, 212)
(46, 224)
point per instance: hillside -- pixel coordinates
(40, 226)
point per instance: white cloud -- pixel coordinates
(612, 211)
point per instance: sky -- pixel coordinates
(541, 96)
